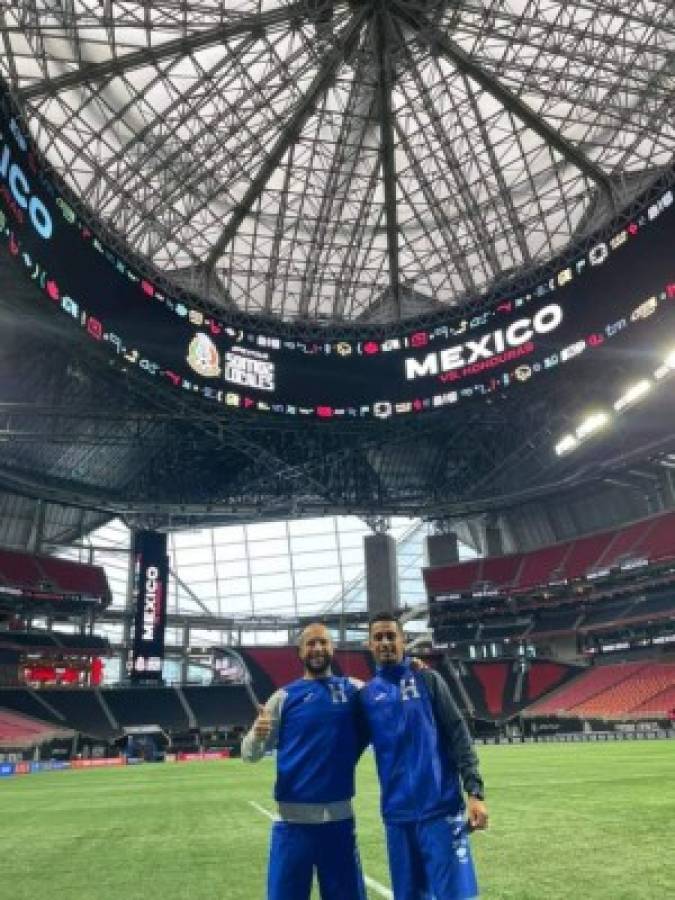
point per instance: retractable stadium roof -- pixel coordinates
(326, 162)
(347, 161)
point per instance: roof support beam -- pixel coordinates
(210, 37)
(437, 40)
(290, 134)
(504, 193)
(385, 83)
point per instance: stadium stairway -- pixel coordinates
(189, 712)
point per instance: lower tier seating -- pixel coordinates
(218, 706)
(612, 691)
(17, 731)
(82, 710)
(147, 706)
(629, 693)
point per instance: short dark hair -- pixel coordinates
(385, 615)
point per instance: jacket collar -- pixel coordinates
(395, 673)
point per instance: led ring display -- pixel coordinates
(611, 290)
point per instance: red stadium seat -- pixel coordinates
(493, 677)
(593, 682)
(543, 677)
(630, 693)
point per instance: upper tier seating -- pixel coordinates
(500, 630)
(456, 632)
(653, 539)
(652, 605)
(501, 570)
(585, 553)
(19, 570)
(55, 641)
(31, 639)
(622, 544)
(607, 613)
(47, 573)
(543, 566)
(555, 620)
(81, 642)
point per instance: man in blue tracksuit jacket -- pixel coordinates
(314, 725)
(422, 749)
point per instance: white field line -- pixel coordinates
(261, 809)
(374, 886)
(378, 888)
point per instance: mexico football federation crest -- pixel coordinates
(203, 356)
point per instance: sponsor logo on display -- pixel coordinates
(203, 356)
(249, 368)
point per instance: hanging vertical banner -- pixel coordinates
(151, 576)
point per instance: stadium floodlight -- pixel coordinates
(670, 360)
(566, 444)
(591, 424)
(661, 372)
(633, 394)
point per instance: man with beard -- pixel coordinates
(313, 724)
(422, 750)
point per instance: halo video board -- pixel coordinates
(610, 291)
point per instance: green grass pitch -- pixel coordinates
(567, 821)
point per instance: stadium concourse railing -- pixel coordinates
(650, 540)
